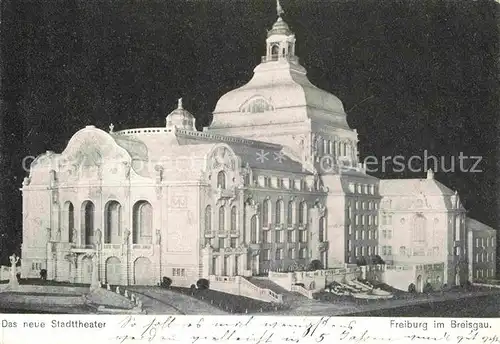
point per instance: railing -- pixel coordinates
(276, 57)
(112, 246)
(261, 291)
(303, 291)
(225, 279)
(141, 247)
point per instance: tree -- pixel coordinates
(315, 265)
(202, 283)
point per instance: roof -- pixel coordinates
(404, 187)
(475, 225)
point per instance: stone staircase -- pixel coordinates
(289, 297)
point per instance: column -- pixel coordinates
(50, 262)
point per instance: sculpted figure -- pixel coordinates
(97, 236)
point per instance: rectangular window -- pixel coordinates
(369, 250)
(221, 242)
(291, 253)
(362, 234)
(233, 242)
(384, 220)
(369, 235)
(363, 251)
(349, 245)
(477, 242)
(357, 235)
(384, 234)
(302, 253)
(266, 254)
(303, 236)
(289, 235)
(356, 251)
(389, 234)
(279, 236)
(265, 236)
(349, 229)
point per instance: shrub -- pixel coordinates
(203, 283)
(412, 288)
(361, 261)
(43, 274)
(166, 282)
(192, 287)
(315, 265)
(427, 288)
(377, 260)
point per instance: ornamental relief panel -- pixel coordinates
(407, 204)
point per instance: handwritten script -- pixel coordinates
(261, 330)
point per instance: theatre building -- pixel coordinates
(272, 184)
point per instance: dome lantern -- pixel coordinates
(180, 118)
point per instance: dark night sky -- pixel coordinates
(413, 75)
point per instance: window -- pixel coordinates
(384, 234)
(477, 242)
(302, 213)
(279, 254)
(375, 220)
(233, 218)
(214, 266)
(70, 220)
(321, 233)
(266, 208)
(369, 235)
(266, 236)
(362, 235)
(222, 218)
(349, 210)
(290, 212)
(279, 212)
(303, 236)
(384, 220)
(266, 254)
(233, 243)
(302, 253)
(402, 251)
(356, 220)
(221, 242)
(208, 218)
(363, 251)
(356, 251)
(419, 229)
(457, 228)
(457, 251)
(291, 253)
(349, 229)
(176, 272)
(279, 236)
(357, 235)
(221, 180)
(290, 236)
(349, 245)
(253, 229)
(142, 222)
(389, 234)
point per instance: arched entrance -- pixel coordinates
(420, 284)
(143, 272)
(86, 270)
(457, 276)
(113, 270)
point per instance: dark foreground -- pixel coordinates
(473, 307)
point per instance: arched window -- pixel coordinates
(266, 208)
(253, 229)
(321, 232)
(419, 229)
(279, 212)
(112, 224)
(303, 213)
(233, 218)
(208, 218)
(88, 222)
(290, 210)
(222, 218)
(221, 180)
(70, 224)
(142, 223)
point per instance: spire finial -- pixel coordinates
(179, 103)
(279, 9)
(111, 127)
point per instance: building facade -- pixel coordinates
(271, 185)
(481, 250)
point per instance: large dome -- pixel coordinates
(284, 85)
